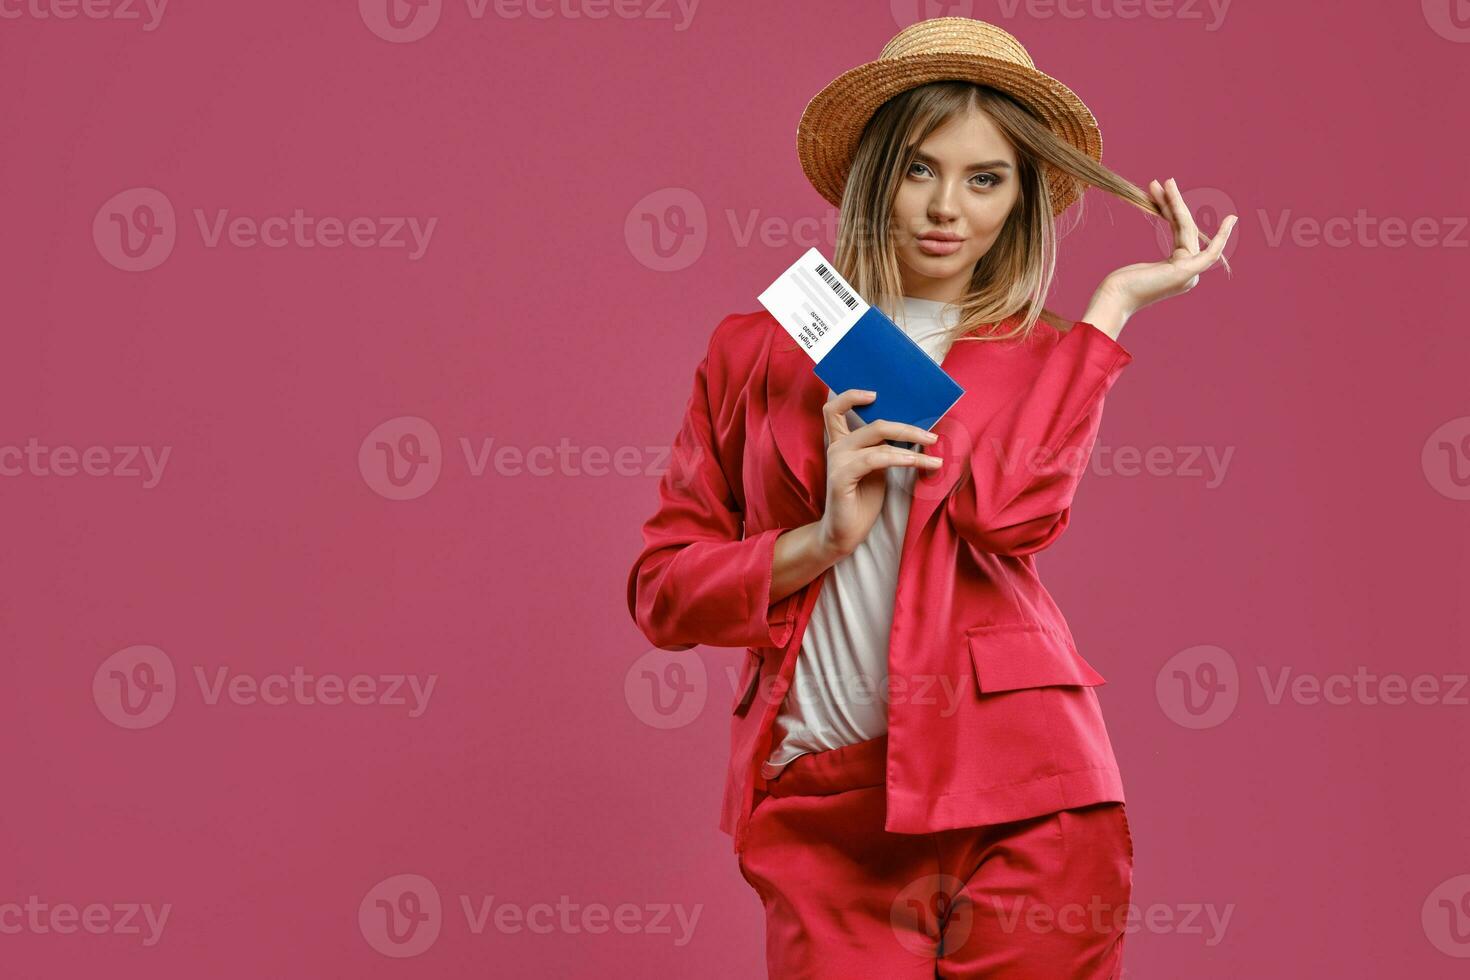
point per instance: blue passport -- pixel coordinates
(854, 345)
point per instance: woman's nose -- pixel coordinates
(941, 205)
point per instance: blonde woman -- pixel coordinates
(920, 779)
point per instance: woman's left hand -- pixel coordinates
(1125, 291)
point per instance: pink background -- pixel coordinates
(543, 314)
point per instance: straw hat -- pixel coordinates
(934, 50)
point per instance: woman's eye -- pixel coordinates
(920, 170)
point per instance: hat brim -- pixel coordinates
(830, 127)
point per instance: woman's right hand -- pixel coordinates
(857, 461)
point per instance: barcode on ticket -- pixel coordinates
(814, 304)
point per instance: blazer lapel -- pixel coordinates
(961, 363)
(958, 431)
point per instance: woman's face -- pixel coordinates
(960, 187)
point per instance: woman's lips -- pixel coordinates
(936, 246)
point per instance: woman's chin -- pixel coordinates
(934, 266)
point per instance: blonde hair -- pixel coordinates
(1016, 274)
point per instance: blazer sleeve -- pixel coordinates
(698, 579)
(1021, 471)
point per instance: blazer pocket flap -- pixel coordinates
(750, 676)
(1012, 656)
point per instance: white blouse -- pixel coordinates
(839, 693)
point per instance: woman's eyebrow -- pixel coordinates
(987, 165)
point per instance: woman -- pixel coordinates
(920, 778)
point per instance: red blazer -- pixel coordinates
(992, 715)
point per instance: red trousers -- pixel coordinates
(1044, 898)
